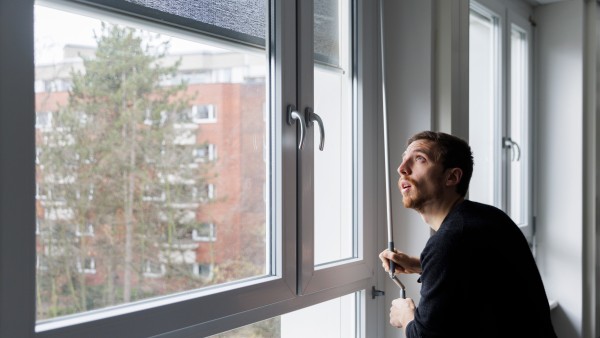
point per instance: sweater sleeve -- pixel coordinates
(436, 314)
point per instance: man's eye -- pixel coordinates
(420, 158)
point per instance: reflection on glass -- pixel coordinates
(518, 114)
(151, 164)
(333, 103)
(483, 105)
(334, 318)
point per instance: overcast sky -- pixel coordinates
(54, 28)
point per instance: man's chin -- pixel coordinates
(411, 203)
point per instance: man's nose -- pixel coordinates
(403, 169)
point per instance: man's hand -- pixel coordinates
(403, 262)
(402, 312)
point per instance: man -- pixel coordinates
(478, 275)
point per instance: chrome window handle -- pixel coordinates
(292, 115)
(507, 142)
(311, 116)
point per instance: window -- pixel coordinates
(204, 113)
(333, 318)
(204, 153)
(40, 263)
(499, 119)
(203, 270)
(88, 266)
(85, 231)
(43, 120)
(204, 232)
(153, 193)
(155, 118)
(154, 269)
(207, 192)
(199, 113)
(271, 255)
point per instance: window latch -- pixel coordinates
(508, 143)
(376, 293)
(292, 116)
(311, 117)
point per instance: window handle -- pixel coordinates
(292, 115)
(311, 116)
(507, 142)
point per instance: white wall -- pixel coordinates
(562, 195)
(558, 174)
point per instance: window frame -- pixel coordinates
(510, 15)
(520, 20)
(272, 296)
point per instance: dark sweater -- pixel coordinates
(480, 279)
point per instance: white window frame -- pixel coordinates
(205, 153)
(152, 196)
(150, 270)
(290, 286)
(511, 14)
(84, 268)
(47, 125)
(195, 267)
(212, 113)
(210, 238)
(88, 230)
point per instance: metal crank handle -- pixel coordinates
(401, 286)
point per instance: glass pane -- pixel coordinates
(327, 31)
(518, 115)
(334, 318)
(152, 159)
(483, 106)
(333, 166)
(239, 20)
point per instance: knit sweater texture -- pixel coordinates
(479, 279)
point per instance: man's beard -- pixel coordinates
(414, 199)
(419, 196)
(413, 202)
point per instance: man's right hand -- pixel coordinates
(403, 262)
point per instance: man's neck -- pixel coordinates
(435, 214)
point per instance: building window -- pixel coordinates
(153, 193)
(43, 120)
(41, 262)
(204, 113)
(204, 271)
(204, 153)
(155, 118)
(40, 192)
(54, 213)
(154, 269)
(206, 192)
(87, 266)
(84, 231)
(204, 232)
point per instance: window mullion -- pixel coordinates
(305, 93)
(17, 158)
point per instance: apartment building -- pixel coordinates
(209, 230)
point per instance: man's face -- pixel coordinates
(421, 177)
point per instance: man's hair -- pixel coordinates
(451, 152)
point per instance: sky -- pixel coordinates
(53, 28)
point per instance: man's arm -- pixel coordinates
(403, 262)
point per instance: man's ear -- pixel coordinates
(454, 176)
